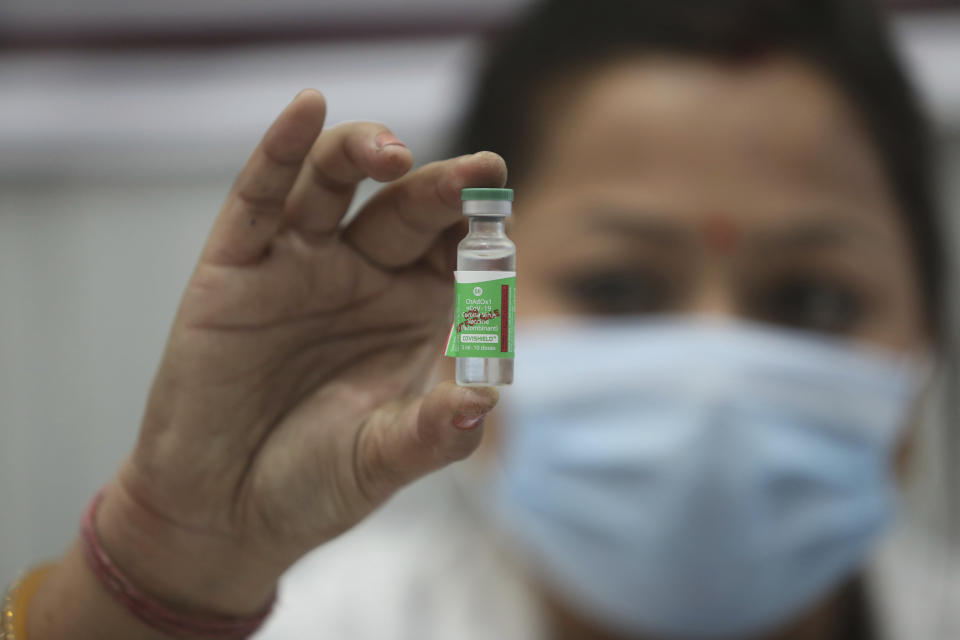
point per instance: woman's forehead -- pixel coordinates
(779, 100)
(764, 142)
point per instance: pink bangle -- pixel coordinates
(151, 611)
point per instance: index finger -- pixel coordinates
(401, 222)
(254, 208)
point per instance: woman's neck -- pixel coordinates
(834, 618)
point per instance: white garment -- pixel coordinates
(914, 586)
(428, 567)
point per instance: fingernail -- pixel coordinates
(387, 139)
(468, 422)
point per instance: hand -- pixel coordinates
(288, 402)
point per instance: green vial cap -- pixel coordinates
(486, 194)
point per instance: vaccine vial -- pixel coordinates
(482, 336)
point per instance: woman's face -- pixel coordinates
(671, 185)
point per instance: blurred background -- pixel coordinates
(122, 125)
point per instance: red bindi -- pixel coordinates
(721, 233)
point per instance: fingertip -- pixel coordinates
(472, 405)
(309, 104)
(391, 162)
(386, 139)
(490, 168)
(310, 95)
(482, 169)
(383, 156)
(448, 400)
(296, 128)
(478, 400)
(492, 162)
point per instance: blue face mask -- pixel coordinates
(698, 480)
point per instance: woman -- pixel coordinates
(731, 285)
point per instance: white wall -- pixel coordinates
(111, 170)
(89, 275)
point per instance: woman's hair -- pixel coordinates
(846, 39)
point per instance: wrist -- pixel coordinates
(194, 572)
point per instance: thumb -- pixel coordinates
(407, 440)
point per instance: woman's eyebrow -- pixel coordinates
(823, 231)
(819, 234)
(632, 223)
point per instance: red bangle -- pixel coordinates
(151, 611)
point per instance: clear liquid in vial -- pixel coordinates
(485, 371)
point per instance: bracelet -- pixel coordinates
(13, 615)
(151, 611)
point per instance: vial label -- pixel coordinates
(483, 316)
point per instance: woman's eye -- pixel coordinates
(814, 305)
(617, 292)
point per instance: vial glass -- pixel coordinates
(482, 335)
